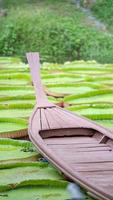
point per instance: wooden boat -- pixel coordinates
(80, 148)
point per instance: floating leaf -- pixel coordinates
(47, 192)
(13, 127)
(21, 173)
(91, 97)
(13, 151)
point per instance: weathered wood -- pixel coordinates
(91, 167)
(104, 139)
(80, 148)
(70, 140)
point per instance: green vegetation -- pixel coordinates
(57, 29)
(36, 192)
(27, 171)
(104, 10)
(84, 87)
(21, 174)
(8, 125)
(74, 81)
(31, 179)
(14, 151)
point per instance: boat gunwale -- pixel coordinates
(33, 131)
(61, 165)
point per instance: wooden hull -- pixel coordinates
(80, 148)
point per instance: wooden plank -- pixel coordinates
(103, 139)
(65, 149)
(108, 189)
(104, 180)
(90, 167)
(53, 122)
(100, 180)
(110, 143)
(44, 121)
(98, 135)
(63, 120)
(80, 146)
(70, 140)
(98, 174)
(36, 123)
(86, 157)
(88, 145)
(103, 150)
(74, 118)
(66, 120)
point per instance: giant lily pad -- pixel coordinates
(85, 68)
(28, 98)
(9, 60)
(15, 75)
(15, 174)
(61, 78)
(15, 91)
(13, 127)
(71, 88)
(103, 79)
(96, 109)
(13, 151)
(91, 97)
(16, 110)
(15, 82)
(47, 192)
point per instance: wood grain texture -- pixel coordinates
(80, 148)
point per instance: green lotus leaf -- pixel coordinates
(17, 98)
(47, 192)
(15, 82)
(91, 97)
(12, 127)
(20, 76)
(7, 60)
(93, 110)
(21, 172)
(20, 110)
(72, 88)
(15, 91)
(13, 151)
(86, 68)
(14, 66)
(61, 78)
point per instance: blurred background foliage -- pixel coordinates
(59, 30)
